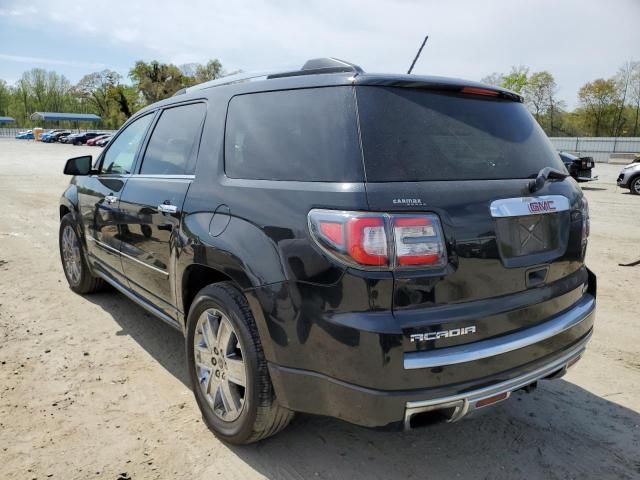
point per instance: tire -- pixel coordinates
(80, 280)
(634, 185)
(259, 414)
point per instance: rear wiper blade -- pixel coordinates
(543, 175)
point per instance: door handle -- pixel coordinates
(165, 208)
(111, 199)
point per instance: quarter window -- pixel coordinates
(173, 143)
(121, 154)
(305, 135)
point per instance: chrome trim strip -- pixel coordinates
(140, 302)
(103, 245)
(108, 247)
(470, 352)
(462, 403)
(521, 206)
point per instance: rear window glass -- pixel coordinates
(305, 135)
(413, 135)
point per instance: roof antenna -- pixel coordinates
(418, 54)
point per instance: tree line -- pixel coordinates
(104, 93)
(606, 107)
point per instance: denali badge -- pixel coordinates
(456, 332)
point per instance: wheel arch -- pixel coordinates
(194, 278)
(69, 201)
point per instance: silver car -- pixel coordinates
(630, 177)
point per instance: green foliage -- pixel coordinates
(102, 93)
(599, 102)
(157, 81)
(516, 79)
(608, 107)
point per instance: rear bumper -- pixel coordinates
(476, 351)
(493, 367)
(586, 179)
(462, 404)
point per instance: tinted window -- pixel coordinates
(122, 152)
(410, 134)
(306, 135)
(174, 140)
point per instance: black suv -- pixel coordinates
(384, 249)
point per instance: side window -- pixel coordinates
(174, 141)
(305, 135)
(122, 152)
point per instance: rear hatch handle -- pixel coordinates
(543, 175)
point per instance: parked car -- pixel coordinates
(630, 177)
(579, 168)
(103, 141)
(25, 135)
(378, 248)
(92, 141)
(68, 138)
(55, 137)
(82, 138)
(48, 134)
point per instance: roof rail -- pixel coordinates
(236, 78)
(311, 67)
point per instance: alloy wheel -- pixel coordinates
(220, 366)
(71, 255)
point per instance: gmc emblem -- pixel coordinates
(541, 207)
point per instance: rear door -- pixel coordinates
(152, 200)
(515, 257)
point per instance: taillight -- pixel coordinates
(379, 240)
(586, 223)
(367, 241)
(480, 91)
(418, 241)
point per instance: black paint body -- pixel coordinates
(334, 336)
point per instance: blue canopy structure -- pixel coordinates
(7, 120)
(70, 117)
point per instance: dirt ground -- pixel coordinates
(94, 387)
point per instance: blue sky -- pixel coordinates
(576, 40)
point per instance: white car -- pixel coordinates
(630, 177)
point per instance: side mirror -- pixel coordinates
(78, 165)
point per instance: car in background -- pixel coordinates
(58, 136)
(630, 177)
(579, 167)
(103, 141)
(68, 138)
(25, 135)
(92, 141)
(81, 138)
(46, 135)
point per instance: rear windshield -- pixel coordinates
(305, 135)
(413, 135)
